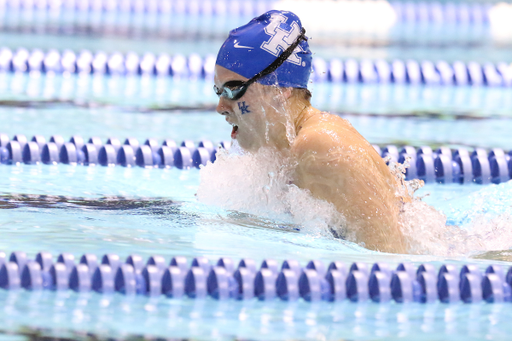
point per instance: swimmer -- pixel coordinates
(261, 77)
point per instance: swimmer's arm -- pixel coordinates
(354, 185)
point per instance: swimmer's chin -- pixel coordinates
(252, 143)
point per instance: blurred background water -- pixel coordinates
(77, 210)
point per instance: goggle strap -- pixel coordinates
(279, 60)
(269, 69)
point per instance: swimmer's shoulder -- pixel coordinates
(322, 131)
(316, 135)
(321, 120)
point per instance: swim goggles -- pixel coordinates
(234, 90)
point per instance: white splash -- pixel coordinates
(260, 184)
(476, 224)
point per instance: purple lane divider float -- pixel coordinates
(444, 165)
(410, 72)
(288, 281)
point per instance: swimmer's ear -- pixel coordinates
(285, 93)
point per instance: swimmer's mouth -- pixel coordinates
(234, 132)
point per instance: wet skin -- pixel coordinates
(333, 161)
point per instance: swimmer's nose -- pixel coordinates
(223, 107)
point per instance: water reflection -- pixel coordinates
(116, 315)
(9, 200)
(166, 93)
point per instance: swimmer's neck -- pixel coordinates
(298, 112)
(301, 110)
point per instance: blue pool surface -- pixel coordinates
(154, 211)
(162, 93)
(203, 34)
(78, 209)
(105, 121)
(110, 209)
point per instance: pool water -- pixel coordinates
(78, 209)
(22, 114)
(120, 210)
(181, 33)
(122, 318)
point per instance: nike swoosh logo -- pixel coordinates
(237, 46)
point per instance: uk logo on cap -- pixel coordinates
(251, 48)
(281, 39)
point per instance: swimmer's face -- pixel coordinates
(255, 117)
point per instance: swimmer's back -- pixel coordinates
(330, 134)
(338, 165)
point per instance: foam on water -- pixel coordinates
(260, 184)
(465, 226)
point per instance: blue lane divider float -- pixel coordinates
(446, 165)
(158, 7)
(93, 152)
(443, 165)
(463, 13)
(194, 66)
(288, 281)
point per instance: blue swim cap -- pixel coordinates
(249, 49)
